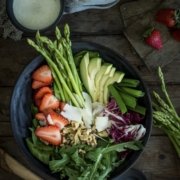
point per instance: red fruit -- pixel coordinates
(37, 102)
(49, 101)
(40, 117)
(38, 84)
(42, 91)
(50, 134)
(176, 34)
(43, 74)
(54, 118)
(61, 106)
(169, 17)
(153, 38)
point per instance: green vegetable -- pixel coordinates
(78, 56)
(118, 98)
(129, 83)
(42, 155)
(165, 115)
(132, 92)
(85, 162)
(59, 57)
(129, 100)
(138, 109)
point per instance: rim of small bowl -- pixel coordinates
(10, 13)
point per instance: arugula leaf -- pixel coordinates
(57, 165)
(134, 145)
(43, 156)
(78, 160)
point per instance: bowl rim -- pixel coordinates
(10, 13)
(28, 156)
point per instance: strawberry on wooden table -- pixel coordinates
(153, 38)
(43, 74)
(169, 17)
(49, 101)
(50, 134)
(56, 119)
(176, 34)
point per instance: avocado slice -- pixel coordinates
(94, 67)
(84, 73)
(118, 76)
(102, 84)
(88, 71)
(104, 70)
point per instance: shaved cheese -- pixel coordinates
(72, 113)
(87, 111)
(102, 123)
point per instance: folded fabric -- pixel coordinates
(72, 6)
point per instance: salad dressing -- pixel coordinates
(36, 14)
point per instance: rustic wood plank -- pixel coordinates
(21, 54)
(7, 175)
(158, 161)
(5, 129)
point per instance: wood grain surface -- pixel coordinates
(159, 160)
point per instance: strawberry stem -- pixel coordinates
(148, 32)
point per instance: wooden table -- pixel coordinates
(159, 161)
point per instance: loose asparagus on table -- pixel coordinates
(165, 115)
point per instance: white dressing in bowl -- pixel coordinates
(36, 14)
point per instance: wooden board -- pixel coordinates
(140, 15)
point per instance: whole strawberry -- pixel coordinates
(176, 34)
(153, 38)
(169, 17)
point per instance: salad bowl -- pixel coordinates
(21, 100)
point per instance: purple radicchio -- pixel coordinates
(124, 127)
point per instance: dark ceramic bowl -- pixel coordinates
(10, 12)
(21, 100)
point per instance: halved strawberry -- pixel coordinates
(61, 105)
(42, 91)
(43, 74)
(54, 118)
(42, 119)
(49, 101)
(38, 84)
(50, 134)
(37, 102)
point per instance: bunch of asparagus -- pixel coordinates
(59, 57)
(165, 115)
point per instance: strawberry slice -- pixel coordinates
(41, 118)
(38, 84)
(50, 134)
(42, 91)
(37, 102)
(49, 101)
(43, 74)
(56, 119)
(61, 105)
